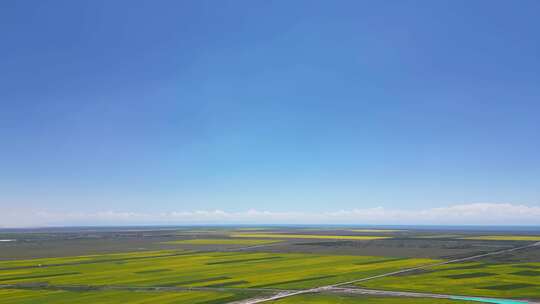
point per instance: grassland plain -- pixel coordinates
(336, 299)
(86, 259)
(13, 296)
(201, 269)
(515, 280)
(308, 236)
(246, 242)
(531, 238)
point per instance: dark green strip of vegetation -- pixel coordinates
(233, 298)
(295, 281)
(509, 286)
(221, 255)
(227, 284)
(243, 260)
(101, 261)
(431, 270)
(203, 280)
(152, 271)
(327, 243)
(469, 275)
(531, 273)
(379, 261)
(38, 276)
(464, 267)
(528, 266)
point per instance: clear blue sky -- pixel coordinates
(150, 106)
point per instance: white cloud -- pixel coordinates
(467, 214)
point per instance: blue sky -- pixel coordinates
(281, 106)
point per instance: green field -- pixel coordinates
(214, 269)
(12, 296)
(505, 238)
(335, 299)
(85, 259)
(308, 236)
(519, 280)
(235, 270)
(222, 242)
(220, 274)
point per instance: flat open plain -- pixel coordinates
(213, 265)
